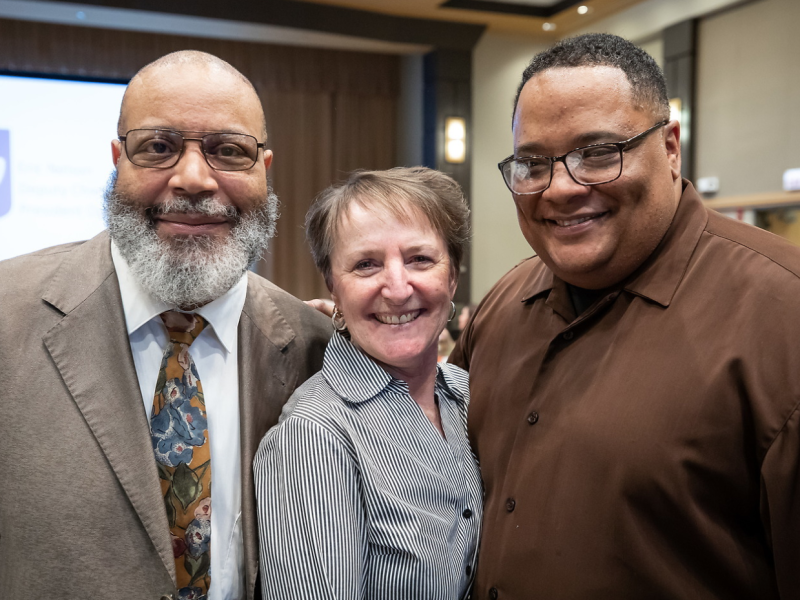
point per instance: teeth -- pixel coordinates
(397, 319)
(573, 221)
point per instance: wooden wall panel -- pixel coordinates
(327, 111)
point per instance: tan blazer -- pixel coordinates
(81, 513)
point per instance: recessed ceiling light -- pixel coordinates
(548, 26)
(582, 10)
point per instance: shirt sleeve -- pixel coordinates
(780, 477)
(313, 540)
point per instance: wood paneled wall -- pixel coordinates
(328, 111)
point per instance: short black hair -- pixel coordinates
(603, 49)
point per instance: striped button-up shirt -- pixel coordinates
(359, 495)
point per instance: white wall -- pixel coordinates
(748, 96)
(654, 46)
(650, 17)
(498, 62)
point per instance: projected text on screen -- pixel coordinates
(55, 160)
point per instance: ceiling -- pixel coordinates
(549, 18)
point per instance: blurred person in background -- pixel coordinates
(464, 315)
(447, 338)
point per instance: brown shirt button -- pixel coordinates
(533, 418)
(510, 504)
(493, 593)
(568, 335)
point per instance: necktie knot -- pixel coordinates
(183, 328)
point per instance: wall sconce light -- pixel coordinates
(455, 143)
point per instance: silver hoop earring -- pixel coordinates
(452, 311)
(337, 318)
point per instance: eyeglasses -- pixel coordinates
(163, 148)
(588, 165)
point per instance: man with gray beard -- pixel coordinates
(188, 271)
(144, 364)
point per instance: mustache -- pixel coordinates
(207, 206)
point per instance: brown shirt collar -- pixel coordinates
(658, 277)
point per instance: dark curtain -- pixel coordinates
(328, 111)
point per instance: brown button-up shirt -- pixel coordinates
(648, 448)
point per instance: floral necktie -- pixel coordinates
(179, 431)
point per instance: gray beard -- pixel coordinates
(188, 271)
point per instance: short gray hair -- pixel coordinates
(603, 49)
(401, 192)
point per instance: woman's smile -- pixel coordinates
(395, 319)
(392, 280)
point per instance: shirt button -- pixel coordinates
(533, 418)
(467, 513)
(568, 335)
(468, 570)
(493, 593)
(510, 504)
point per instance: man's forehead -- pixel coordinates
(180, 82)
(565, 88)
(197, 71)
(576, 106)
(194, 97)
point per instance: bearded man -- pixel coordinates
(145, 364)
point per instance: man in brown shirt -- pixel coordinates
(635, 386)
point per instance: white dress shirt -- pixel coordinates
(215, 354)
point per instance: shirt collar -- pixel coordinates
(661, 274)
(542, 281)
(223, 314)
(138, 304)
(658, 277)
(357, 378)
(454, 379)
(140, 307)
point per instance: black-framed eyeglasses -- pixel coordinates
(163, 148)
(588, 165)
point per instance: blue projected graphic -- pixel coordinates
(5, 172)
(55, 159)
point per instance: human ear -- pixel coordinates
(116, 151)
(453, 283)
(672, 144)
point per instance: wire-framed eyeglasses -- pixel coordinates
(163, 148)
(588, 165)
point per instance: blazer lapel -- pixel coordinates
(90, 348)
(266, 379)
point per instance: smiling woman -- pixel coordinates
(368, 486)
